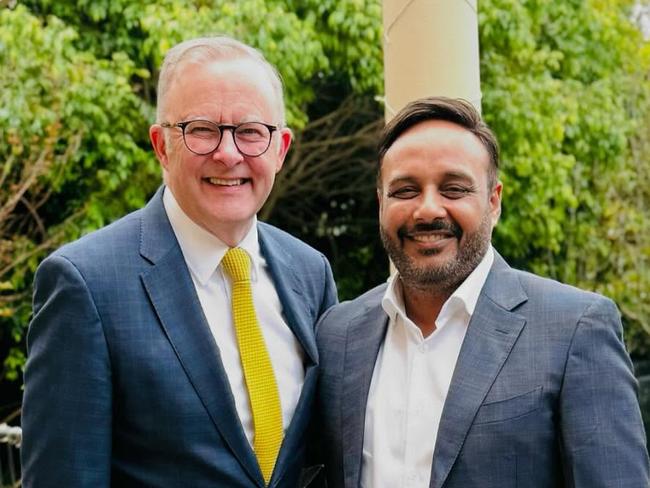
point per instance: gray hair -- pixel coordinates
(203, 49)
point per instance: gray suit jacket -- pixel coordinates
(542, 395)
(124, 385)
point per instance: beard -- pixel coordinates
(442, 277)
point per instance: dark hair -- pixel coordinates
(455, 110)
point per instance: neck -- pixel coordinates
(231, 235)
(423, 306)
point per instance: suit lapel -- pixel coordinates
(289, 288)
(171, 291)
(366, 333)
(299, 319)
(490, 337)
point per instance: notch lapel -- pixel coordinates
(491, 334)
(289, 289)
(299, 319)
(365, 335)
(172, 294)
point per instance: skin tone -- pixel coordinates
(437, 210)
(221, 191)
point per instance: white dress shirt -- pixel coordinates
(203, 253)
(409, 385)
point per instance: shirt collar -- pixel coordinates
(393, 302)
(470, 289)
(202, 250)
(464, 298)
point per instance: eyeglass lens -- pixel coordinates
(203, 137)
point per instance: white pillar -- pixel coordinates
(430, 48)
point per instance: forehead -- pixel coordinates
(436, 147)
(236, 85)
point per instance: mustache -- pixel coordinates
(434, 225)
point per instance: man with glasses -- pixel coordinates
(175, 347)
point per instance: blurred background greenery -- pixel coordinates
(566, 88)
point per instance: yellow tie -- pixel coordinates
(256, 362)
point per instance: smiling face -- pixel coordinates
(437, 208)
(223, 190)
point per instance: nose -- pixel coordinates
(227, 152)
(430, 206)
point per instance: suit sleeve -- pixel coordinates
(330, 296)
(603, 439)
(66, 417)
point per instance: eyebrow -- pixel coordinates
(402, 179)
(450, 175)
(192, 116)
(459, 175)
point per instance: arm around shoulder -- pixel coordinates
(603, 438)
(66, 416)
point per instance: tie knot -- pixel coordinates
(237, 264)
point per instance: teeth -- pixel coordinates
(429, 237)
(223, 182)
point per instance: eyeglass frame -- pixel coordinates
(231, 127)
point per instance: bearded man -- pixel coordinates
(462, 372)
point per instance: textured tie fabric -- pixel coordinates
(256, 362)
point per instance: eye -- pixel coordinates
(202, 129)
(404, 193)
(252, 131)
(455, 192)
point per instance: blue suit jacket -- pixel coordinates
(542, 395)
(124, 385)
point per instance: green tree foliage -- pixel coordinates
(350, 33)
(67, 149)
(565, 87)
(566, 90)
(85, 73)
(306, 40)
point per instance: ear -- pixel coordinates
(495, 202)
(285, 136)
(157, 137)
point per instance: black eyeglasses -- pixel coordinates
(203, 136)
